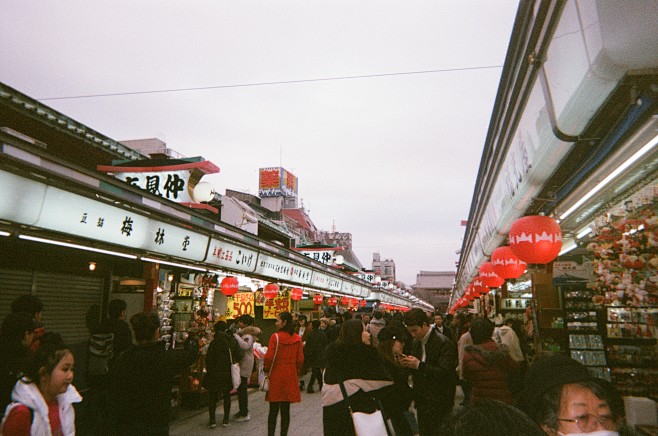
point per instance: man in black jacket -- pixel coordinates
(142, 379)
(433, 362)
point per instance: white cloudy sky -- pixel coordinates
(390, 159)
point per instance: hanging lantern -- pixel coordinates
(354, 302)
(296, 294)
(536, 239)
(507, 264)
(344, 301)
(333, 301)
(317, 299)
(491, 279)
(479, 286)
(363, 303)
(462, 302)
(270, 291)
(229, 285)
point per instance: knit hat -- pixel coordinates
(546, 373)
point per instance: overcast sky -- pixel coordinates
(391, 159)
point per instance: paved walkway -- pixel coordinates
(305, 417)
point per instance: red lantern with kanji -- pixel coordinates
(491, 279)
(296, 294)
(229, 285)
(536, 239)
(363, 303)
(479, 286)
(462, 302)
(344, 301)
(333, 301)
(317, 299)
(354, 302)
(270, 291)
(507, 264)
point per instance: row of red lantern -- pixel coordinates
(229, 287)
(533, 239)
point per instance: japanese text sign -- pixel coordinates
(276, 305)
(232, 256)
(240, 304)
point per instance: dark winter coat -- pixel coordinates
(218, 362)
(435, 379)
(289, 359)
(362, 370)
(316, 342)
(487, 366)
(140, 391)
(12, 363)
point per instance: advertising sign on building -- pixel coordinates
(236, 257)
(270, 266)
(276, 181)
(174, 182)
(240, 304)
(274, 306)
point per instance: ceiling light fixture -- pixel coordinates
(630, 161)
(79, 247)
(180, 265)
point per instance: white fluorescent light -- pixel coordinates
(584, 232)
(567, 247)
(79, 247)
(630, 161)
(180, 265)
(5, 234)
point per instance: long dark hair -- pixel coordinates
(350, 332)
(288, 327)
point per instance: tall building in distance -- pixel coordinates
(383, 268)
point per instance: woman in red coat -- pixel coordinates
(486, 365)
(285, 356)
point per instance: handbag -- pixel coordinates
(265, 384)
(235, 372)
(366, 424)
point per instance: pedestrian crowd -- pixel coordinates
(375, 365)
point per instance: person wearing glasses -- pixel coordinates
(564, 399)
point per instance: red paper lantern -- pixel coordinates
(229, 285)
(344, 301)
(317, 299)
(491, 279)
(479, 286)
(462, 302)
(354, 302)
(270, 291)
(507, 264)
(296, 294)
(363, 303)
(333, 301)
(536, 239)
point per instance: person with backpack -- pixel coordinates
(110, 339)
(245, 337)
(16, 337)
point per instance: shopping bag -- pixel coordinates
(235, 375)
(369, 424)
(265, 384)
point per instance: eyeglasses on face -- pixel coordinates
(588, 422)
